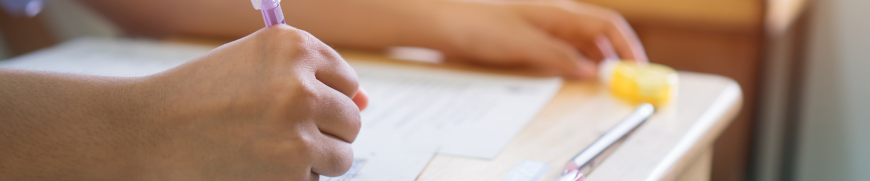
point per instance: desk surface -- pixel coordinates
(582, 111)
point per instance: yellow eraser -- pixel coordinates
(640, 83)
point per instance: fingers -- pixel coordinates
(606, 48)
(333, 158)
(624, 40)
(336, 114)
(550, 53)
(338, 122)
(597, 48)
(584, 25)
(339, 76)
(336, 73)
(328, 65)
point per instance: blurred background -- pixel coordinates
(803, 66)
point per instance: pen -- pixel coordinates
(577, 168)
(271, 10)
(22, 7)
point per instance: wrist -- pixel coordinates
(137, 111)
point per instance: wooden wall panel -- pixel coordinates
(720, 15)
(733, 55)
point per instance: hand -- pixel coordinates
(559, 37)
(275, 105)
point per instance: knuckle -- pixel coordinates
(356, 120)
(308, 91)
(347, 112)
(352, 79)
(283, 32)
(352, 121)
(300, 43)
(310, 144)
(304, 149)
(301, 97)
(286, 38)
(326, 54)
(342, 161)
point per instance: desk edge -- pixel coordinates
(705, 130)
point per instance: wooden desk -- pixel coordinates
(674, 139)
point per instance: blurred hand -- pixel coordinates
(559, 37)
(275, 105)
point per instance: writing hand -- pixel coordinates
(275, 105)
(559, 37)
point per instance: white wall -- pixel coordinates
(834, 137)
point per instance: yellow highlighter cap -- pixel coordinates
(640, 83)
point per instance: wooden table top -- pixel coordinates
(582, 111)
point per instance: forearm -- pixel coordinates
(367, 23)
(63, 126)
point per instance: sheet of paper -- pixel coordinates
(386, 160)
(527, 170)
(464, 113)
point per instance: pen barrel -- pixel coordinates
(589, 158)
(16, 8)
(273, 16)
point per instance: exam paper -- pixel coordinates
(463, 113)
(386, 160)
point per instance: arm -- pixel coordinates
(559, 37)
(48, 118)
(254, 109)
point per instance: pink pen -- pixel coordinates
(271, 10)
